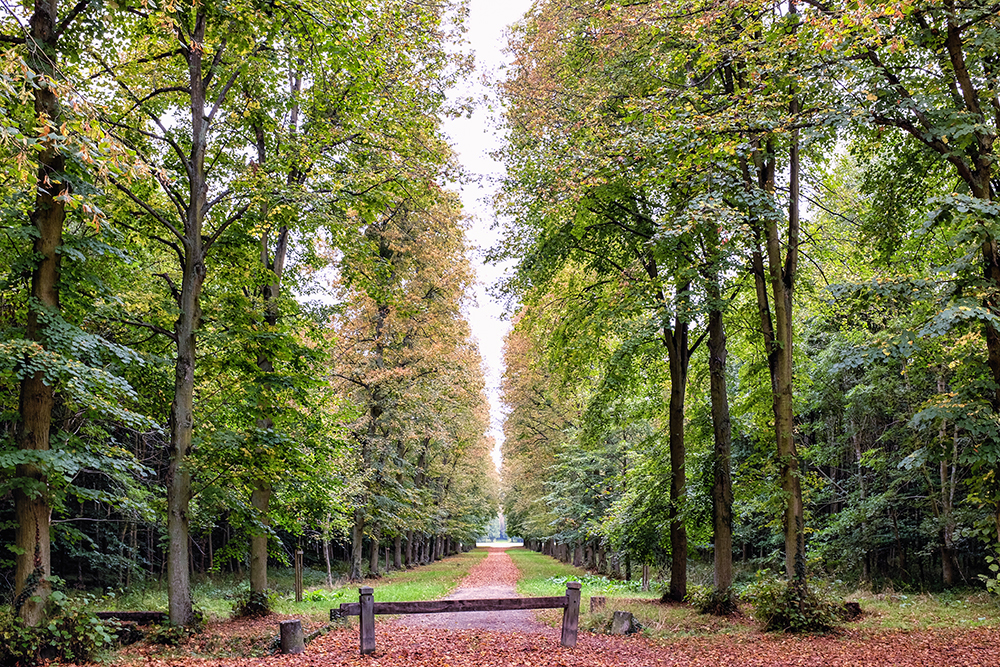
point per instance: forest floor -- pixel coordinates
(510, 639)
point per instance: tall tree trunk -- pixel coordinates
(783, 282)
(185, 330)
(274, 264)
(397, 552)
(779, 278)
(722, 484)
(678, 357)
(260, 499)
(32, 508)
(678, 533)
(357, 540)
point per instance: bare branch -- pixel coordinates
(222, 228)
(149, 209)
(73, 13)
(152, 327)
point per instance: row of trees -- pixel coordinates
(180, 182)
(758, 240)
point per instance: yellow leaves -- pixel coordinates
(871, 96)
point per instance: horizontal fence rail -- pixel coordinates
(448, 606)
(367, 609)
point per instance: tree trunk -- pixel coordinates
(678, 357)
(260, 499)
(357, 541)
(780, 279)
(678, 532)
(373, 570)
(397, 552)
(722, 484)
(32, 509)
(326, 561)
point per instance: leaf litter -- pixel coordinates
(401, 645)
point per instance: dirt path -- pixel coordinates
(494, 577)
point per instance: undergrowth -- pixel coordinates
(70, 633)
(781, 605)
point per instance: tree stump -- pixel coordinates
(292, 640)
(597, 603)
(621, 624)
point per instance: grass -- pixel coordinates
(428, 582)
(543, 576)
(213, 596)
(546, 576)
(957, 609)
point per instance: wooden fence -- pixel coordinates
(367, 608)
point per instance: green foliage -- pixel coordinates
(69, 633)
(168, 634)
(992, 579)
(252, 604)
(787, 606)
(709, 600)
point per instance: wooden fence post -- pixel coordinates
(571, 615)
(367, 600)
(298, 575)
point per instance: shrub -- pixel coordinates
(708, 600)
(69, 634)
(781, 605)
(251, 604)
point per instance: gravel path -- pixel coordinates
(494, 577)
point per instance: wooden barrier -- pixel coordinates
(367, 608)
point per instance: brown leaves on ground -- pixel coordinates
(497, 569)
(405, 646)
(411, 647)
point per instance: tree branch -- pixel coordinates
(149, 209)
(152, 327)
(73, 13)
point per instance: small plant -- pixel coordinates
(251, 604)
(318, 595)
(168, 634)
(792, 607)
(992, 580)
(708, 600)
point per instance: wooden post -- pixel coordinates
(292, 640)
(571, 615)
(367, 600)
(298, 575)
(597, 603)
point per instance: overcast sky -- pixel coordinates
(473, 139)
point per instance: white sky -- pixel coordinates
(473, 139)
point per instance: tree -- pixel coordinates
(49, 356)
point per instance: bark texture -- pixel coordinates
(32, 505)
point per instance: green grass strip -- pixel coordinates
(428, 582)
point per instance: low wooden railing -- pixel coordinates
(367, 608)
